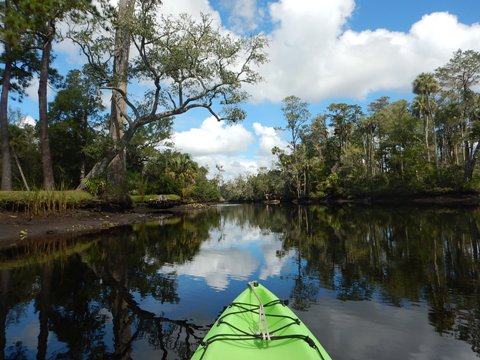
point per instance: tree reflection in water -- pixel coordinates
(404, 255)
(93, 298)
(87, 300)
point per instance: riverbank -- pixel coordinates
(16, 227)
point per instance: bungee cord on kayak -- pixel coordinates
(262, 320)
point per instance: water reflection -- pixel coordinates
(233, 252)
(370, 283)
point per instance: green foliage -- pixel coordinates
(205, 190)
(292, 162)
(24, 144)
(73, 115)
(266, 185)
(95, 186)
(459, 80)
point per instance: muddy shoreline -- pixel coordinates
(17, 228)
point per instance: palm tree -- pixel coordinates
(183, 169)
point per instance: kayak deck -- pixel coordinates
(258, 325)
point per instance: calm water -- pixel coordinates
(370, 283)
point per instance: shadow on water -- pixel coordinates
(127, 294)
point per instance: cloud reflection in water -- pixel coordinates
(239, 253)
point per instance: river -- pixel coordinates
(370, 282)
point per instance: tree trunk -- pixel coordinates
(117, 166)
(20, 170)
(48, 181)
(435, 145)
(83, 141)
(101, 166)
(470, 162)
(4, 139)
(305, 182)
(468, 170)
(425, 131)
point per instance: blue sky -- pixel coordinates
(323, 51)
(400, 15)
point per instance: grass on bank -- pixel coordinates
(42, 202)
(50, 202)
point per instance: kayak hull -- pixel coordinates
(242, 333)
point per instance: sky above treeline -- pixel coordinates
(322, 51)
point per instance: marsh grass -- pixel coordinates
(42, 202)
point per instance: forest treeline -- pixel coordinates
(429, 145)
(391, 147)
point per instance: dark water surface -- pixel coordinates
(371, 283)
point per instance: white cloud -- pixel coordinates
(191, 7)
(27, 120)
(32, 89)
(215, 143)
(314, 57)
(72, 54)
(244, 15)
(106, 97)
(232, 166)
(269, 138)
(213, 137)
(246, 10)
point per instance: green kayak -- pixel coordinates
(258, 325)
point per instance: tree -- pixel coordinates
(117, 166)
(401, 144)
(458, 79)
(343, 118)
(183, 169)
(314, 139)
(44, 16)
(425, 86)
(146, 165)
(19, 60)
(26, 153)
(376, 133)
(450, 137)
(296, 112)
(188, 65)
(72, 116)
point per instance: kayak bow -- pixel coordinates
(258, 325)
